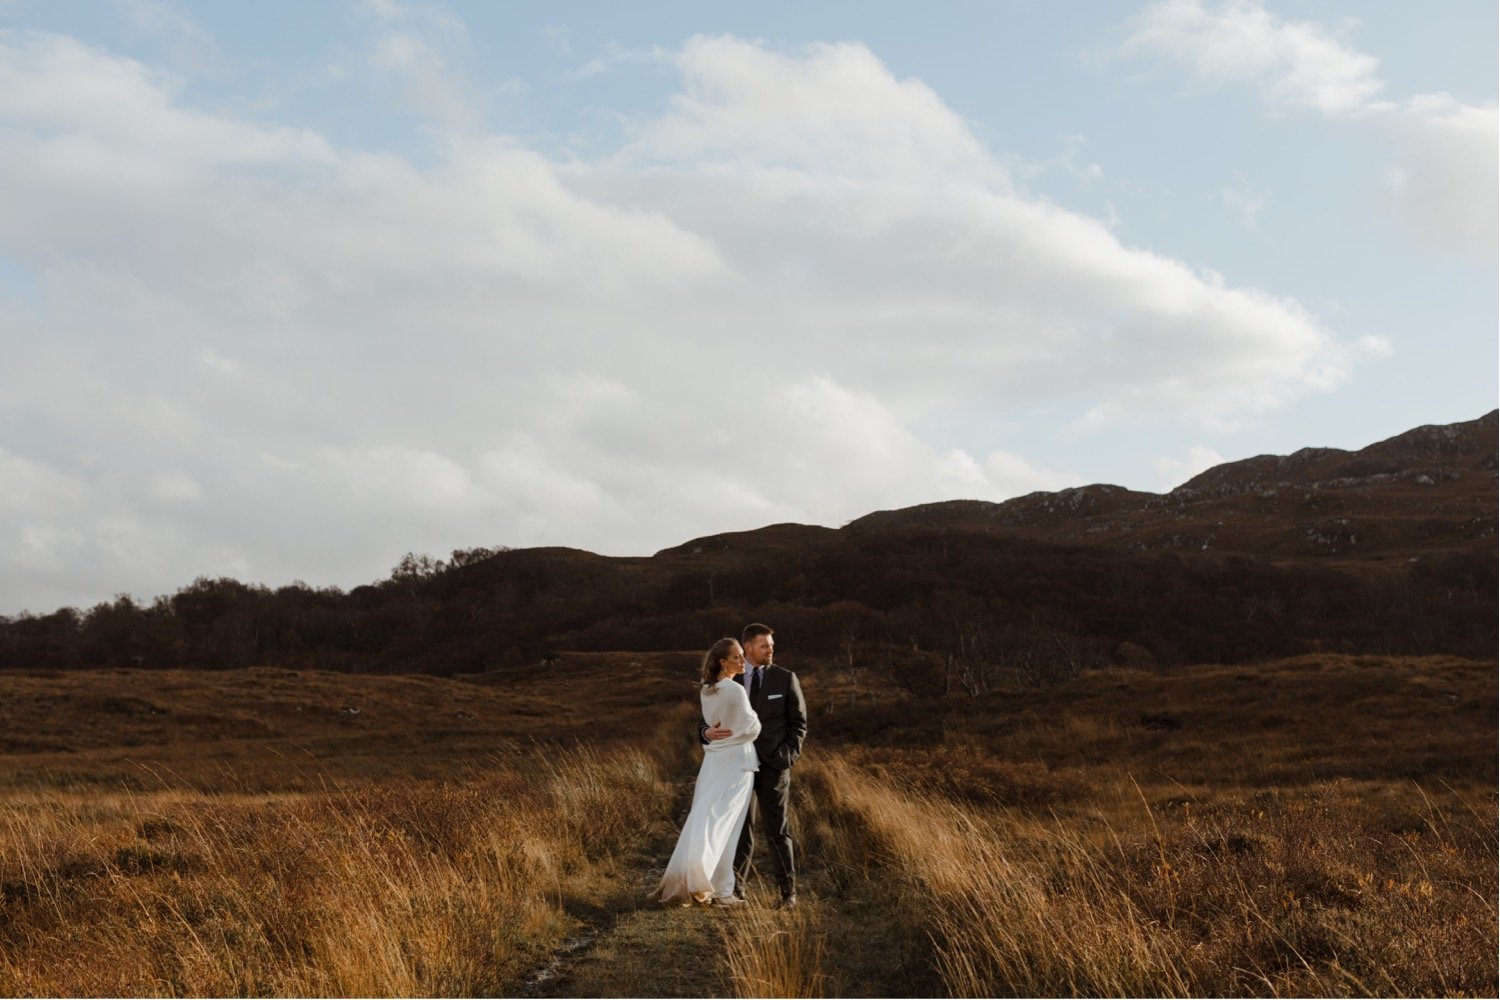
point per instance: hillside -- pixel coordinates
(1389, 550)
(1428, 491)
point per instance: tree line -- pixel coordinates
(938, 610)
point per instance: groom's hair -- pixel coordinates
(754, 631)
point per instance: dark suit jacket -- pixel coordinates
(783, 717)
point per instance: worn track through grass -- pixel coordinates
(842, 941)
(627, 945)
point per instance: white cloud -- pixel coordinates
(257, 353)
(1443, 183)
(1446, 153)
(831, 109)
(75, 113)
(79, 536)
(187, 45)
(560, 38)
(1172, 472)
(1015, 475)
(1295, 63)
(1066, 160)
(422, 45)
(1245, 200)
(33, 487)
(175, 488)
(395, 476)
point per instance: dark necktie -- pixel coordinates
(755, 683)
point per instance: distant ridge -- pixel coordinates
(1401, 497)
(1468, 446)
(772, 536)
(1390, 549)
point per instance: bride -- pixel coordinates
(702, 865)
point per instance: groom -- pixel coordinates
(776, 697)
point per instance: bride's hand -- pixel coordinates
(717, 732)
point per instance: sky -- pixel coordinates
(288, 290)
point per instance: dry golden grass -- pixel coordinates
(1284, 895)
(403, 889)
(1325, 825)
(776, 953)
(240, 834)
(1313, 826)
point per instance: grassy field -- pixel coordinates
(1324, 825)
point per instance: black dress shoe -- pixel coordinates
(788, 901)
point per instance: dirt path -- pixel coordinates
(646, 952)
(630, 946)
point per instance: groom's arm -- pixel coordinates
(796, 726)
(707, 733)
(796, 718)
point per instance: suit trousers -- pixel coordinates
(773, 794)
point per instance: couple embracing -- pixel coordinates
(754, 722)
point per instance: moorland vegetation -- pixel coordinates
(1238, 739)
(1324, 825)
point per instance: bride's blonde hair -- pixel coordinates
(717, 654)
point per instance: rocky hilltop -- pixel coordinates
(1428, 490)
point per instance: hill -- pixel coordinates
(1422, 493)
(1389, 550)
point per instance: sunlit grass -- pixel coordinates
(776, 953)
(1234, 831)
(1304, 894)
(399, 889)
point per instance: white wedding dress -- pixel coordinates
(702, 865)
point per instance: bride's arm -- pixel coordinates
(749, 722)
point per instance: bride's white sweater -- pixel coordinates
(727, 704)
